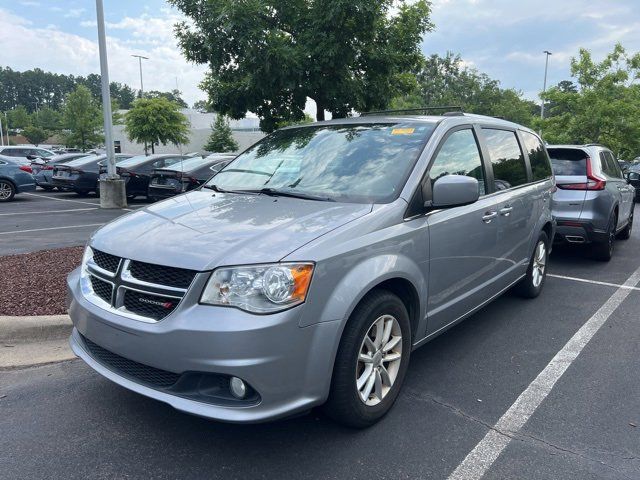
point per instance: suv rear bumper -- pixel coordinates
(577, 231)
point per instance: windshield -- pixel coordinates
(366, 163)
(140, 159)
(189, 164)
(85, 160)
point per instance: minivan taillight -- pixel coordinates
(594, 182)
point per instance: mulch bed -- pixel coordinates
(35, 283)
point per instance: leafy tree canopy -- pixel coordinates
(603, 106)
(35, 135)
(47, 119)
(82, 118)
(221, 139)
(18, 117)
(268, 56)
(156, 121)
(173, 96)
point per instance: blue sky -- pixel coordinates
(503, 38)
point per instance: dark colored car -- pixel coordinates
(14, 178)
(185, 176)
(43, 169)
(633, 177)
(81, 175)
(137, 171)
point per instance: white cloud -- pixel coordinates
(74, 12)
(26, 47)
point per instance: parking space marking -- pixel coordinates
(49, 211)
(593, 282)
(61, 199)
(52, 228)
(485, 453)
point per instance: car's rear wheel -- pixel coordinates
(7, 191)
(82, 193)
(371, 362)
(47, 188)
(625, 234)
(531, 285)
(603, 251)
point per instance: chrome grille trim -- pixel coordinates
(128, 277)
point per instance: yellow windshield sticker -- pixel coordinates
(402, 131)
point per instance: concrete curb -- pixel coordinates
(36, 340)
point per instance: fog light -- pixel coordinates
(238, 387)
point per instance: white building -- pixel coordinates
(245, 131)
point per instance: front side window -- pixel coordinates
(43, 153)
(540, 166)
(509, 169)
(365, 163)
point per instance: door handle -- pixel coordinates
(506, 210)
(488, 216)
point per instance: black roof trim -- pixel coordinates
(449, 110)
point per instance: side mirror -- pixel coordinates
(31, 157)
(454, 191)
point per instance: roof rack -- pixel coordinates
(449, 110)
(594, 145)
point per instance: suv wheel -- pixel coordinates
(7, 190)
(371, 362)
(625, 234)
(531, 285)
(603, 251)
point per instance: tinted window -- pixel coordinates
(42, 153)
(613, 167)
(15, 152)
(568, 161)
(540, 166)
(459, 155)
(509, 169)
(366, 162)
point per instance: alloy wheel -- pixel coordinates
(379, 360)
(539, 264)
(6, 190)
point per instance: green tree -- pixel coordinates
(47, 119)
(221, 139)
(18, 117)
(268, 56)
(173, 96)
(603, 107)
(289, 123)
(156, 121)
(203, 106)
(83, 119)
(35, 135)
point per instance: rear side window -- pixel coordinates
(540, 166)
(459, 155)
(509, 169)
(568, 161)
(612, 168)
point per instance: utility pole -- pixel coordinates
(544, 88)
(112, 188)
(140, 58)
(2, 134)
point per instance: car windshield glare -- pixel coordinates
(363, 163)
(85, 160)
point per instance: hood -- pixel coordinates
(201, 229)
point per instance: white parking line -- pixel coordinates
(60, 199)
(594, 282)
(49, 211)
(51, 228)
(485, 453)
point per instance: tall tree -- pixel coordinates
(47, 118)
(35, 135)
(603, 106)
(18, 118)
(83, 119)
(221, 138)
(156, 121)
(268, 56)
(173, 96)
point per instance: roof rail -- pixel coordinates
(594, 145)
(449, 110)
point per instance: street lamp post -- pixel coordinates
(112, 188)
(544, 88)
(140, 58)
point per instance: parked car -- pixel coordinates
(25, 154)
(594, 202)
(624, 165)
(81, 175)
(307, 270)
(137, 171)
(184, 176)
(43, 169)
(633, 177)
(15, 178)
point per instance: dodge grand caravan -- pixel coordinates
(307, 270)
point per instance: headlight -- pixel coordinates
(259, 288)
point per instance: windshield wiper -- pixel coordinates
(218, 189)
(273, 192)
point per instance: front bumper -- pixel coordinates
(288, 366)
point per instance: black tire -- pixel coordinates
(7, 191)
(82, 193)
(345, 404)
(531, 285)
(131, 197)
(47, 188)
(603, 251)
(625, 233)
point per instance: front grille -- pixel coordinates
(151, 306)
(128, 368)
(169, 276)
(101, 288)
(106, 261)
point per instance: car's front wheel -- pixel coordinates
(7, 191)
(531, 285)
(371, 362)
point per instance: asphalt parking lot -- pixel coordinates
(563, 367)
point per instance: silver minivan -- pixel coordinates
(594, 202)
(307, 270)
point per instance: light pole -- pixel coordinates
(140, 58)
(544, 88)
(112, 188)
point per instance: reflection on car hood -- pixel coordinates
(201, 230)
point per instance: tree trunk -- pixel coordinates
(320, 112)
(152, 149)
